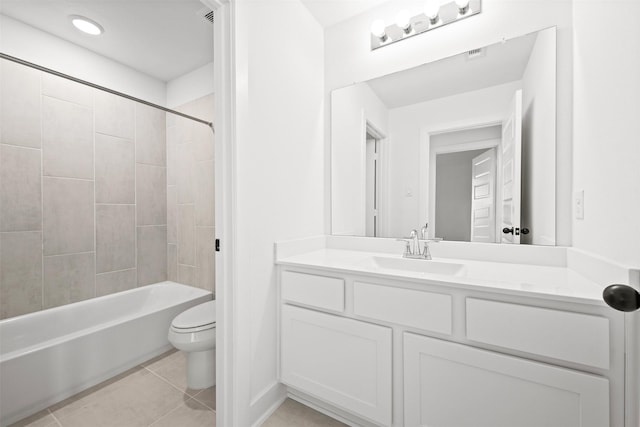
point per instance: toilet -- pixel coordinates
(194, 332)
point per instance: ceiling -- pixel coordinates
(500, 63)
(164, 39)
(331, 12)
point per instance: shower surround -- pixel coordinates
(83, 194)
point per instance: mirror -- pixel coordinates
(465, 144)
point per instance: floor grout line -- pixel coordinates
(168, 382)
(54, 417)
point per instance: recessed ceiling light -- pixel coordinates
(86, 25)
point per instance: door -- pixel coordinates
(448, 384)
(511, 170)
(483, 202)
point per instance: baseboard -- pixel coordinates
(266, 403)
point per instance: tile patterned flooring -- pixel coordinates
(155, 394)
(152, 394)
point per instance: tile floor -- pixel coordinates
(155, 394)
(152, 394)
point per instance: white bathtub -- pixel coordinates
(52, 354)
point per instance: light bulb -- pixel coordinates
(377, 29)
(403, 20)
(86, 25)
(432, 10)
(463, 6)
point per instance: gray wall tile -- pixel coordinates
(115, 237)
(186, 235)
(67, 139)
(205, 194)
(68, 216)
(20, 273)
(115, 170)
(64, 89)
(151, 194)
(172, 262)
(185, 173)
(172, 207)
(186, 275)
(171, 156)
(20, 189)
(114, 115)
(150, 135)
(152, 254)
(68, 278)
(115, 281)
(19, 105)
(205, 258)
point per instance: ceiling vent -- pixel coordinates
(206, 14)
(475, 53)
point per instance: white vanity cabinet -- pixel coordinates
(343, 361)
(449, 384)
(408, 353)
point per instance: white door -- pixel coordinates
(453, 385)
(342, 361)
(483, 202)
(511, 171)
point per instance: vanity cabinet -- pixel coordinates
(449, 384)
(408, 353)
(343, 361)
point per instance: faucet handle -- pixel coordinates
(407, 248)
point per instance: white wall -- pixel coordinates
(538, 141)
(351, 108)
(278, 173)
(607, 128)
(408, 127)
(190, 86)
(606, 148)
(349, 59)
(30, 44)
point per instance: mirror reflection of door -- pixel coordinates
(511, 171)
(372, 196)
(465, 183)
(483, 197)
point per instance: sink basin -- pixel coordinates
(415, 265)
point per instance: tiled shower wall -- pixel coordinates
(190, 196)
(83, 201)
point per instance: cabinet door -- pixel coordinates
(453, 385)
(342, 361)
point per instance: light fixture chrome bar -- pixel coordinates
(102, 88)
(447, 13)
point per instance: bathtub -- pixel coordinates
(52, 354)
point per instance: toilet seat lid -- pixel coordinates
(201, 315)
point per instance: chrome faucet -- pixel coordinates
(412, 244)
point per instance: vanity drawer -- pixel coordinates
(574, 337)
(312, 290)
(417, 309)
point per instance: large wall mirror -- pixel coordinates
(466, 144)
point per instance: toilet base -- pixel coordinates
(201, 369)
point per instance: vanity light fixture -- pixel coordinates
(403, 21)
(463, 6)
(86, 25)
(377, 30)
(435, 15)
(432, 10)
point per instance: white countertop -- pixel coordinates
(540, 281)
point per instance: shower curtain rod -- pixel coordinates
(102, 88)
